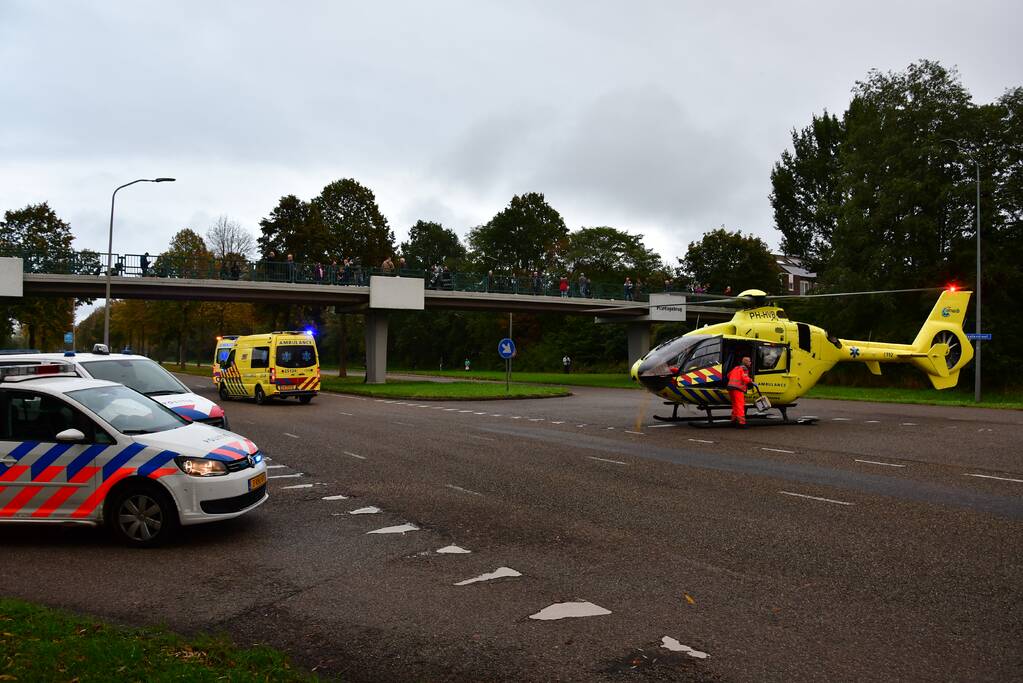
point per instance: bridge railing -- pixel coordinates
(237, 269)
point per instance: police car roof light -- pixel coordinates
(15, 373)
(101, 349)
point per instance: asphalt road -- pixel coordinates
(883, 543)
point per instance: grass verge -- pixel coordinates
(930, 397)
(423, 390)
(446, 391)
(43, 644)
(608, 380)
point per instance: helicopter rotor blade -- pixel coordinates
(779, 297)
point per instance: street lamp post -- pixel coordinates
(977, 341)
(110, 250)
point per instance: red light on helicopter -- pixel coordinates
(953, 287)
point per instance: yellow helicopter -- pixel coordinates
(790, 357)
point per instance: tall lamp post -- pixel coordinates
(110, 249)
(977, 341)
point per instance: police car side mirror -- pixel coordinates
(71, 436)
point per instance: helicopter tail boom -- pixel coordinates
(939, 350)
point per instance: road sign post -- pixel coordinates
(506, 349)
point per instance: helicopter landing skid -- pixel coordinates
(690, 418)
(754, 421)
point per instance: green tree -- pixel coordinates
(430, 244)
(348, 221)
(806, 190)
(605, 252)
(525, 236)
(730, 259)
(904, 183)
(289, 229)
(43, 240)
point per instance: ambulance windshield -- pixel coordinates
(296, 356)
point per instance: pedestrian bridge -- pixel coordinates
(373, 295)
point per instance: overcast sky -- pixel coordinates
(658, 118)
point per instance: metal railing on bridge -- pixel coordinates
(338, 275)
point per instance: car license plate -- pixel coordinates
(286, 387)
(257, 481)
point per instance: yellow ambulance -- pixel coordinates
(275, 364)
(224, 345)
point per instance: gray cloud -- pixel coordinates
(658, 118)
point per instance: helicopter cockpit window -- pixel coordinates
(667, 357)
(771, 358)
(704, 356)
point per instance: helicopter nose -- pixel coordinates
(634, 373)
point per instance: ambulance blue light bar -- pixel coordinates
(18, 373)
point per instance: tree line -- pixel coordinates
(881, 197)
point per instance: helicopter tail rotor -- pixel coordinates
(941, 343)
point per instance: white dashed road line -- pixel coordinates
(344, 413)
(825, 500)
(354, 455)
(840, 419)
(616, 462)
(459, 488)
(661, 425)
(777, 450)
(875, 462)
(293, 436)
(988, 476)
(636, 433)
(297, 486)
(700, 440)
(284, 476)
(908, 424)
(275, 467)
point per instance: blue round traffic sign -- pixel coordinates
(506, 348)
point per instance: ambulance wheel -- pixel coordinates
(141, 514)
(260, 396)
(305, 399)
(222, 390)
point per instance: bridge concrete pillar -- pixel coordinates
(639, 340)
(376, 346)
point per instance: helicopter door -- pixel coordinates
(734, 351)
(771, 367)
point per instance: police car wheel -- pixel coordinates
(305, 399)
(142, 515)
(260, 396)
(222, 390)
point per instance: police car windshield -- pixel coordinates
(296, 356)
(141, 374)
(128, 411)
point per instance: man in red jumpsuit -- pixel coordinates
(738, 381)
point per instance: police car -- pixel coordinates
(74, 449)
(137, 372)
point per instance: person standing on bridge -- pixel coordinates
(739, 381)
